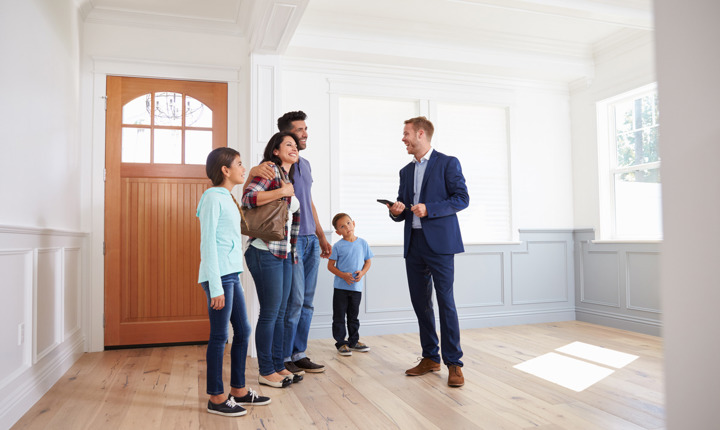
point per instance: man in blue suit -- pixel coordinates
(432, 190)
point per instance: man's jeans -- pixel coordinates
(302, 293)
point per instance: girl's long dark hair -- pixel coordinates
(216, 159)
(272, 145)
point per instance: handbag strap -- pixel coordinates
(283, 177)
(242, 215)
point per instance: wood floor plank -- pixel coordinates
(164, 387)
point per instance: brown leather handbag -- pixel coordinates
(266, 222)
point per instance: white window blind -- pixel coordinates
(477, 136)
(371, 154)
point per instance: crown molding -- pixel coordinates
(474, 60)
(621, 42)
(116, 16)
(635, 14)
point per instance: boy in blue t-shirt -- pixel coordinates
(349, 262)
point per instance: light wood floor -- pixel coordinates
(164, 388)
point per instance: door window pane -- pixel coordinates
(197, 114)
(135, 145)
(168, 146)
(198, 144)
(168, 109)
(137, 111)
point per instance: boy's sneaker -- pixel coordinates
(227, 408)
(344, 350)
(360, 347)
(252, 398)
(308, 366)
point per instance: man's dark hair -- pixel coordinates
(285, 122)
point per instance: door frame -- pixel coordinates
(94, 135)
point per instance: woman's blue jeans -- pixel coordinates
(272, 276)
(235, 313)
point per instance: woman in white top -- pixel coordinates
(270, 262)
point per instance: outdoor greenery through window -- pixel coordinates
(632, 182)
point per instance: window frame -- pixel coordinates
(608, 164)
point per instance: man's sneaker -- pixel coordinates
(252, 398)
(344, 350)
(227, 408)
(308, 366)
(360, 347)
(289, 365)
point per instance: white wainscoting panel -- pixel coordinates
(15, 313)
(72, 283)
(600, 281)
(540, 274)
(47, 301)
(41, 330)
(479, 279)
(537, 272)
(618, 283)
(643, 279)
(386, 287)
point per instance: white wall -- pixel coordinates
(40, 163)
(688, 70)
(621, 67)
(43, 252)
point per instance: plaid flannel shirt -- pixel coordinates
(278, 248)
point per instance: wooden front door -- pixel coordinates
(158, 135)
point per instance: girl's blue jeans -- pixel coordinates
(234, 313)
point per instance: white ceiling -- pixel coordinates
(543, 39)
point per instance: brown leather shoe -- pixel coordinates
(455, 378)
(426, 365)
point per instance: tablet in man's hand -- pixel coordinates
(385, 202)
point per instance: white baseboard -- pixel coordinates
(31, 385)
(620, 321)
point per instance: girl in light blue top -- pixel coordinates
(221, 261)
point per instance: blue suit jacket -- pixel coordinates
(444, 193)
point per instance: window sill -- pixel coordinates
(636, 241)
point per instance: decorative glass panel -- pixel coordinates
(135, 145)
(168, 109)
(198, 144)
(197, 114)
(168, 147)
(137, 111)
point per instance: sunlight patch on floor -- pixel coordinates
(565, 370)
(568, 372)
(598, 354)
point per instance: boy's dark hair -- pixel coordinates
(337, 218)
(285, 122)
(216, 159)
(272, 145)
